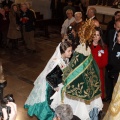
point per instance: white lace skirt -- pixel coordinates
(80, 108)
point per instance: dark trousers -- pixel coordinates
(110, 83)
(29, 39)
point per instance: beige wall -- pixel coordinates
(19, 1)
(42, 6)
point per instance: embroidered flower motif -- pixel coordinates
(118, 54)
(63, 63)
(62, 66)
(100, 52)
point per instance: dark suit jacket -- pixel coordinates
(114, 61)
(110, 26)
(112, 52)
(29, 25)
(110, 39)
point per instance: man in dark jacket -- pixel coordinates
(91, 13)
(27, 19)
(112, 69)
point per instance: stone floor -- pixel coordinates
(22, 69)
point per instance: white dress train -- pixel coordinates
(80, 108)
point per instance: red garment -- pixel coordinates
(101, 60)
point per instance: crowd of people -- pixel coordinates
(81, 74)
(17, 22)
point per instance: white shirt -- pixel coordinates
(66, 23)
(114, 40)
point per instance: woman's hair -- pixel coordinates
(78, 13)
(12, 10)
(69, 10)
(116, 13)
(101, 43)
(64, 111)
(64, 45)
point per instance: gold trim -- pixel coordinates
(82, 71)
(82, 100)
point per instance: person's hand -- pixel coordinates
(13, 114)
(26, 18)
(54, 118)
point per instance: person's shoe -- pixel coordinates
(107, 99)
(100, 115)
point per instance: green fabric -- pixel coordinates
(49, 92)
(81, 78)
(42, 110)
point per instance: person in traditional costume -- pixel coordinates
(47, 82)
(113, 112)
(100, 54)
(81, 80)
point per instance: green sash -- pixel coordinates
(81, 78)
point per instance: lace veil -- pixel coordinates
(38, 93)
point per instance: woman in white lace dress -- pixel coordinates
(47, 82)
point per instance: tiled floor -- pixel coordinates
(22, 69)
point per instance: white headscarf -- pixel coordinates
(38, 93)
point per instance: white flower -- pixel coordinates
(118, 54)
(100, 52)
